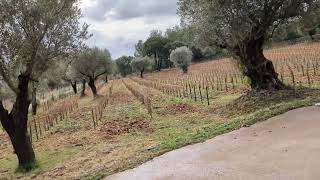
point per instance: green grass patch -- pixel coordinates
(45, 161)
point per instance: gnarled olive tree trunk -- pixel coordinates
(83, 90)
(15, 124)
(141, 73)
(93, 87)
(74, 87)
(257, 67)
(34, 103)
(158, 61)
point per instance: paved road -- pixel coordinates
(286, 147)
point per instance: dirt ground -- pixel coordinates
(286, 147)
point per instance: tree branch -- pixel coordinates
(98, 75)
(6, 78)
(4, 117)
(84, 74)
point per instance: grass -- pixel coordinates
(27, 167)
(202, 133)
(73, 149)
(177, 132)
(254, 101)
(45, 160)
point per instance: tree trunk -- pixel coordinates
(185, 70)
(93, 87)
(74, 87)
(106, 78)
(141, 73)
(16, 125)
(159, 64)
(257, 67)
(155, 61)
(23, 149)
(83, 91)
(34, 100)
(311, 33)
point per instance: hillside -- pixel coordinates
(135, 120)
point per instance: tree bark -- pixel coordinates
(93, 87)
(16, 125)
(83, 91)
(141, 73)
(159, 64)
(106, 79)
(257, 67)
(74, 87)
(34, 100)
(157, 61)
(185, 70)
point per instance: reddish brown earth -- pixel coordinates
(113, 128)
(286, 147)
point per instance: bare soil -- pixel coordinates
(119, 127)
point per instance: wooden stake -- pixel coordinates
(36, 128)
(207, 96)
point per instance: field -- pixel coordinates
(136, 119)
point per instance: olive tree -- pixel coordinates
(111, 70)
(243, 26)
(72, 76)
(124, 65)
(141, 64)
(93, 63)
(69, 74)
(182, 58)
(33, 33)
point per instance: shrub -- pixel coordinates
(197, 54)
(208, 52)
(182, 57)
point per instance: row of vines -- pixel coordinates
(296, 65)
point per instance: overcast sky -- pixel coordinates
(118, 24)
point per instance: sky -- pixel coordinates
(119, 24)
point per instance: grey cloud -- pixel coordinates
(118, 46)
(118, 24)
(98, 10)
(127, 9)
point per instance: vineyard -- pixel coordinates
(135, 119)
(297, 66)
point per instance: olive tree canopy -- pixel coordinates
(242, 26)
(124, 65)
(141, 64)
(182, 57)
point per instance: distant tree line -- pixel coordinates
(154, 53)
